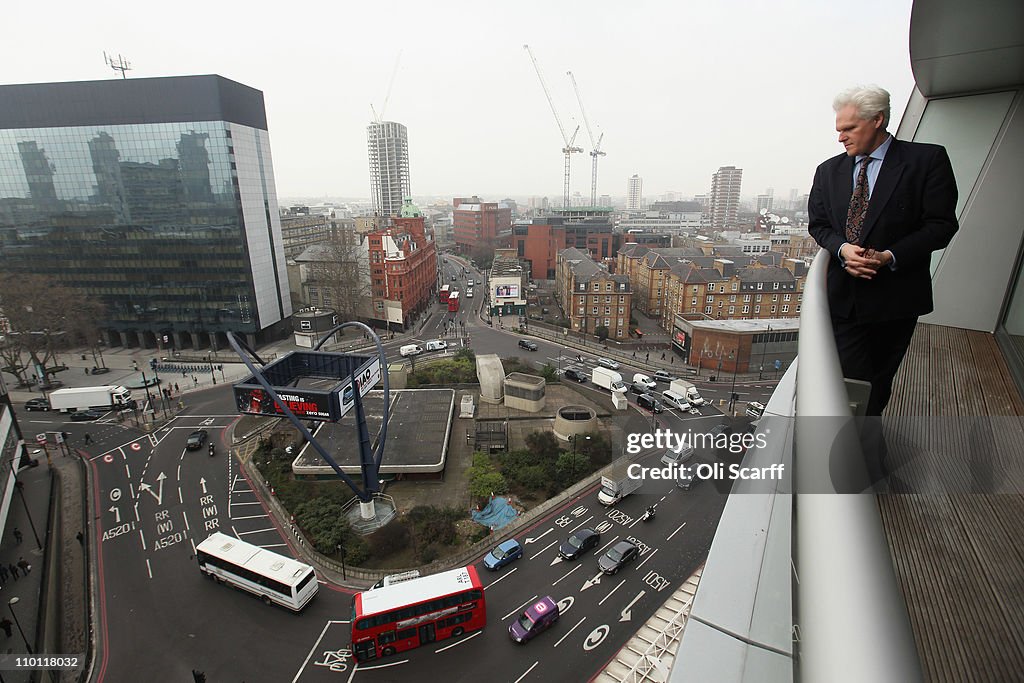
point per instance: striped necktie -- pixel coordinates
(858, 205)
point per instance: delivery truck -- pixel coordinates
(83, 398)
(618, 484)
(684, 388)
(608, 379)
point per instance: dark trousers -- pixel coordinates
(873, 352)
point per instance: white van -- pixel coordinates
(679, 455)
(436, 345)
(410, 350)
(674, 400)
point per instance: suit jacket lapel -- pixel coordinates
(888, 178)
(842, 191)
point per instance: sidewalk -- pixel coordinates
(50, 608)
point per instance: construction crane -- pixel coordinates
(595, 152)
(570, 147)
(378, 118)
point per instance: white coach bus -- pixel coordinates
(273, 578)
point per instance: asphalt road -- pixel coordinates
(160, 618)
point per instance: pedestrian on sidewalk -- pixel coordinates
(176, 389)
(14, 571)
(24, 565)
(663, 355)
(81, 539)
(3, 573)
(17, 535)
(648, 358)
(6, 624)
(195, 382)
(88, 439)
(135, 365)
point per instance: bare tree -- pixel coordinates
(343, 276)
(45, 318)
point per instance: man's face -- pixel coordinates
(859, 136)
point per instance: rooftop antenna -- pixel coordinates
(121, 64)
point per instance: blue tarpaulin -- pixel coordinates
(496, 514)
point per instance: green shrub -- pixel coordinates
(390, 539)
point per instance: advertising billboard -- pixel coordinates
(506, 292)
(304, 403)
(367, 378)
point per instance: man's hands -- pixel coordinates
(863, 262)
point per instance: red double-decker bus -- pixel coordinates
(442, 295)
(453, 302)
(416, 612)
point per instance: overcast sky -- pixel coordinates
(678, 88)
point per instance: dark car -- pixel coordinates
(86, 415)
(620, 554)
(663, 376)
(639, 389)
(650, 403)
(527, 344)
(580, 542)
(576, 375)
(37, 404)
(196, 440)
(503, 554)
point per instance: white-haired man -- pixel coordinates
(881, 209)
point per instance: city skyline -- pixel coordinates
(702, 87)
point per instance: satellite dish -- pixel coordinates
(785, 219)
(763, 211)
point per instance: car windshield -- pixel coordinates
(498, 553)
(575, 541)
(525, 621)
(614, 555)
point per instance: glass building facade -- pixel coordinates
(155, 196)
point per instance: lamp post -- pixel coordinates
(764, 350)
(20, 487)
(149, 397)
(734, 356)
(574, 438)
(10, 604)
(341, 554)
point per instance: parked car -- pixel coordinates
(608, 363)
(86, 415)
(503, 554)
(527, 344)
(37, 404)
(663, 376)
(196, 440)
(618, 556)
(648, 402)
(639, 389)
(640, 378)
(580, 542)
(575, 375)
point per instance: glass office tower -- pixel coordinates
(155, 195)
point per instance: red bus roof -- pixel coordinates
(416, 590)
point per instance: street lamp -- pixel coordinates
(341, 554)
(574, 438)
(764, 351)
(11, 603)
(20, 487)
(734, 356)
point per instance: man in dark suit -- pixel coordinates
(880, 209)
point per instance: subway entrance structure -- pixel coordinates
(320, 386)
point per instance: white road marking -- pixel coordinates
(518, 609)
(570, 631)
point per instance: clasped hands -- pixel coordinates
(863, 262)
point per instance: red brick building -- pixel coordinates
(478, 225)
(403, 270)
(540, 242)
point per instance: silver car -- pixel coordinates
(608, 363)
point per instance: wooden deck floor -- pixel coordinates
(955, 429)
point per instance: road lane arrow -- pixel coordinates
(558, 558)
(537, 538)
(592, 582)
(626, 615)
(159, 495)
(202, 482)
